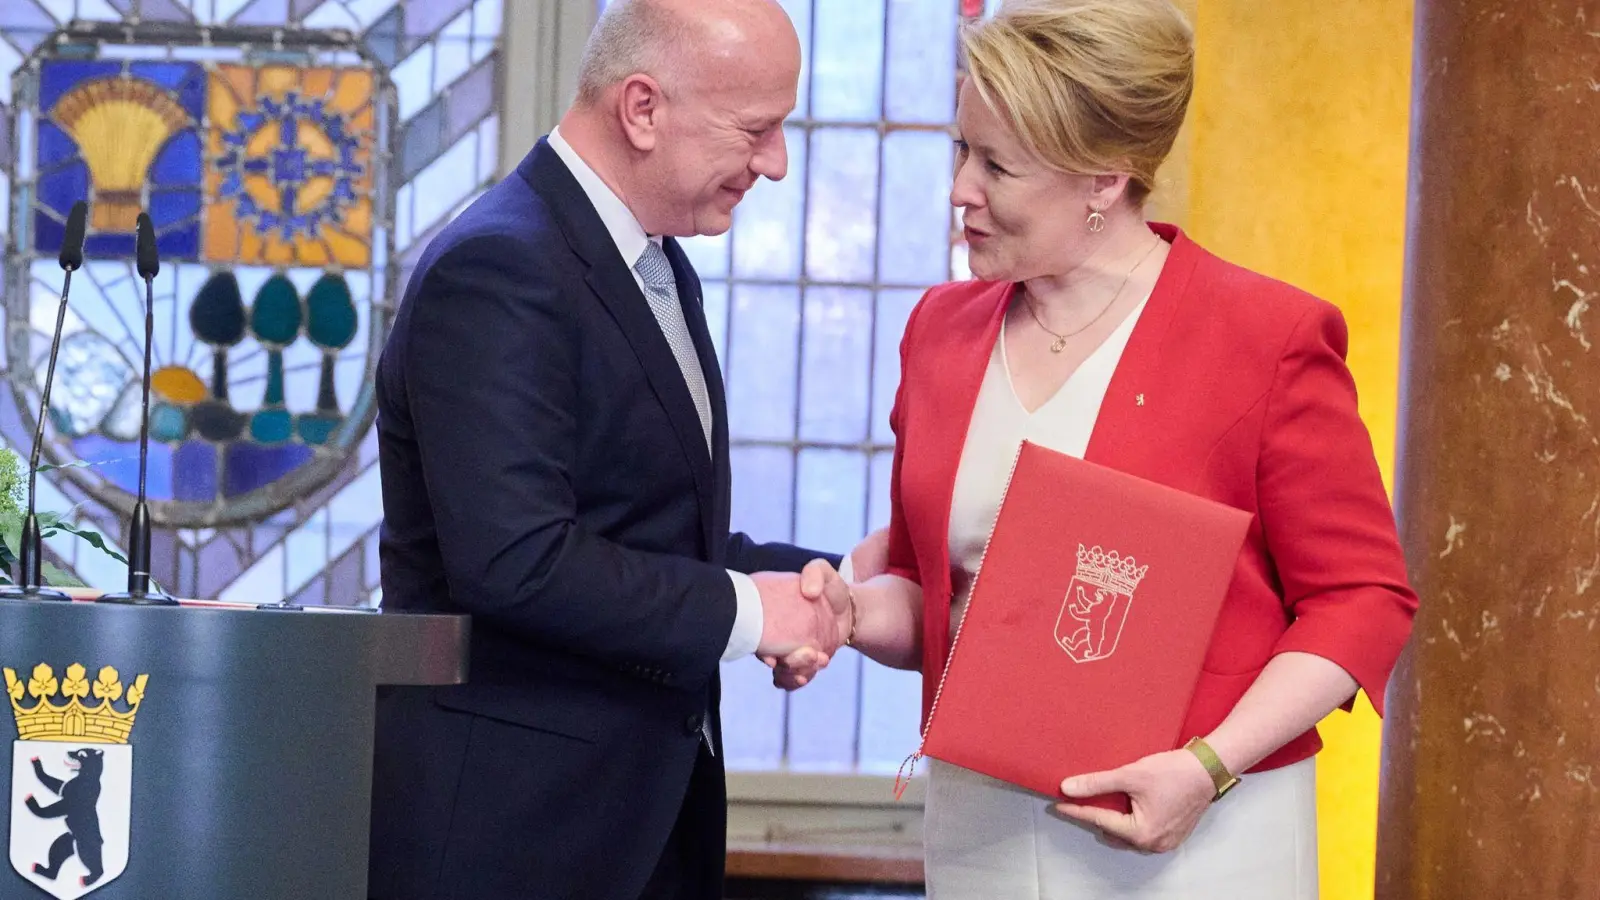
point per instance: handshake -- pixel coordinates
(806, 619)
(809, 616)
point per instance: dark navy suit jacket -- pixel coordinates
(544, 470)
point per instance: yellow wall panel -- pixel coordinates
(1295, 166)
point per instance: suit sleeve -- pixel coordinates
(748, 556)
(491, 374)
(1329, 527)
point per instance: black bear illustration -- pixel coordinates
(79, 794)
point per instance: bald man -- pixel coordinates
(553, 443)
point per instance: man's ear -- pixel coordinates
(639, 111)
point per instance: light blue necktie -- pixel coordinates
(661, 290)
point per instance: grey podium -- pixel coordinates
(200, 751)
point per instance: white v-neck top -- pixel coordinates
(1000, 423)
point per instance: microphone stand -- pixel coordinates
(139, 592)
(30, 555)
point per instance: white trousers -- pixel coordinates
(988, 839)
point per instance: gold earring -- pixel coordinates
(1097, 221)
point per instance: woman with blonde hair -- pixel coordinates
(1090, 331)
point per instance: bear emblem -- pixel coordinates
(80, 798)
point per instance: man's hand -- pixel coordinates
(810, 610)
(821, 586)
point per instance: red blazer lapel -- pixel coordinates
(1127, 433)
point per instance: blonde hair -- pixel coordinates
(1089, 86)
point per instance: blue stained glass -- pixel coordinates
(173, 206)
(101, 246)
(249, 466)
(195, 471)
(454, 53)
(841, 226)
(383, 38)
(763, 492)
(847, 73)
(768, 223)
(186, 80)
(48, 234)
(763, 352)
(302, 364)
(838, 352)
(118, 463)
(179, 161)
(348, 377)
(411, 81)
(54, 146)
(832, 499)
(420, 139)
(922, 62)
(709, 255)
(752, 716)
(915, 236)
(64, 187)
(182, 242)
(822, 734)
(894, 307)
(439, 188)
(313, 593)
(306, 550)
(890, 718)
(800, 14)
(714, 298)
(164, 11)
(58, 77)
(263, 12)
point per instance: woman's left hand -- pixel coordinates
(1170, 792)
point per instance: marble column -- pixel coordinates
(1490, 785)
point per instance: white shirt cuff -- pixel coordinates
(748, 620)
(847, 570)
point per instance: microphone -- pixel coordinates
(30, 555)
(139, 592)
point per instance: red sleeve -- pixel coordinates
(902, 556)
(1329, 527)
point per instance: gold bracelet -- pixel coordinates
(1223, 780)
(850, 641)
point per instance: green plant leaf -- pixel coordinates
(76, 464)
(54, 576)
(93, 538)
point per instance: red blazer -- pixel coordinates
(1234, 387)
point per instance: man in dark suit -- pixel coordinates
(554, 450)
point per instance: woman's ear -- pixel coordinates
(1106, 190)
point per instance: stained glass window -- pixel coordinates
(294, 156)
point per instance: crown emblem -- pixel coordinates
(1109, 570)
(74, 721)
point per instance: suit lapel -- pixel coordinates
(611, 279)
(694, 314)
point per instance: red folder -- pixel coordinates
(1091, 612)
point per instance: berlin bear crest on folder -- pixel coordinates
(1090, 626)
(1089, 618)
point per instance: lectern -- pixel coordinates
(202, 751)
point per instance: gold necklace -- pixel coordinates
(1060, 342)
